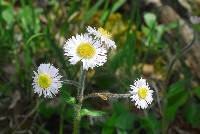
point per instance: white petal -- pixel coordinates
(105, 41)
(55, 78)
(140, 102)
(70, 47)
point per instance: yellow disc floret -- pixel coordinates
(86, 50)
(142, 92)
(104, 32)
(44, 80)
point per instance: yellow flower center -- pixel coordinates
(104, 32)
(44, 80)
(86, 50)
(142, 92)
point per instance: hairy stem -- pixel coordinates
(106, 96)
(71, 82)
(78, 106)
(77, 119)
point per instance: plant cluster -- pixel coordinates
(91, 50)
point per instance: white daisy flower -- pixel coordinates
(85, 49)
(103, 35)
(46, 80)
(141, 93)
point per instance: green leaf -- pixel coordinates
(33, 37)
(124, 121)
(191, 114)
(93, 10)
(109, 125)
(117, 5)
(73, 7)
(46, 110)
(104, 16)
(93, 113)
(127, 51)
(121, 131)
(196, 27)
(150, 19)
(160, 30)
(171, 25)
(106, 80)
(8, 16)
(176, 97)
(150, 123)
(68, 99)
(119, 108)
(107, 130)
(197, 92)
(120, 119)
(29, 19)
(176, 88)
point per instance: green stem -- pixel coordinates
(77, 117)
(61, 119)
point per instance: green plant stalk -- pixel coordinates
(61, 119)
(78, 106)
(77, 119)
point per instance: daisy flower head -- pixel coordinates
(46, 80)
(141, 93)
(85, 49)
(103, 35)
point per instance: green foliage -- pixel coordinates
(93, 10)
(68, 99)
(117, 5)
(8, 16)
(107, 11)
(196, 27)
(45, 110)
(191, 114)
(191, 109)
(121, 119)
(154, 32)
(29, 19)
(150, 123)
(127, 51)
(197, 91)
(176, 97)
(92, 113)
(150, 20)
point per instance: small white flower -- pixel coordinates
(141, 93)
(103, 35)
(85, 49)
(46, 80)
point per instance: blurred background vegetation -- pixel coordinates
(156, 39)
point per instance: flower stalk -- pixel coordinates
(78, 106)
(106, 96)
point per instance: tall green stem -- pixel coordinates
(77, 119)
(78, 106)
